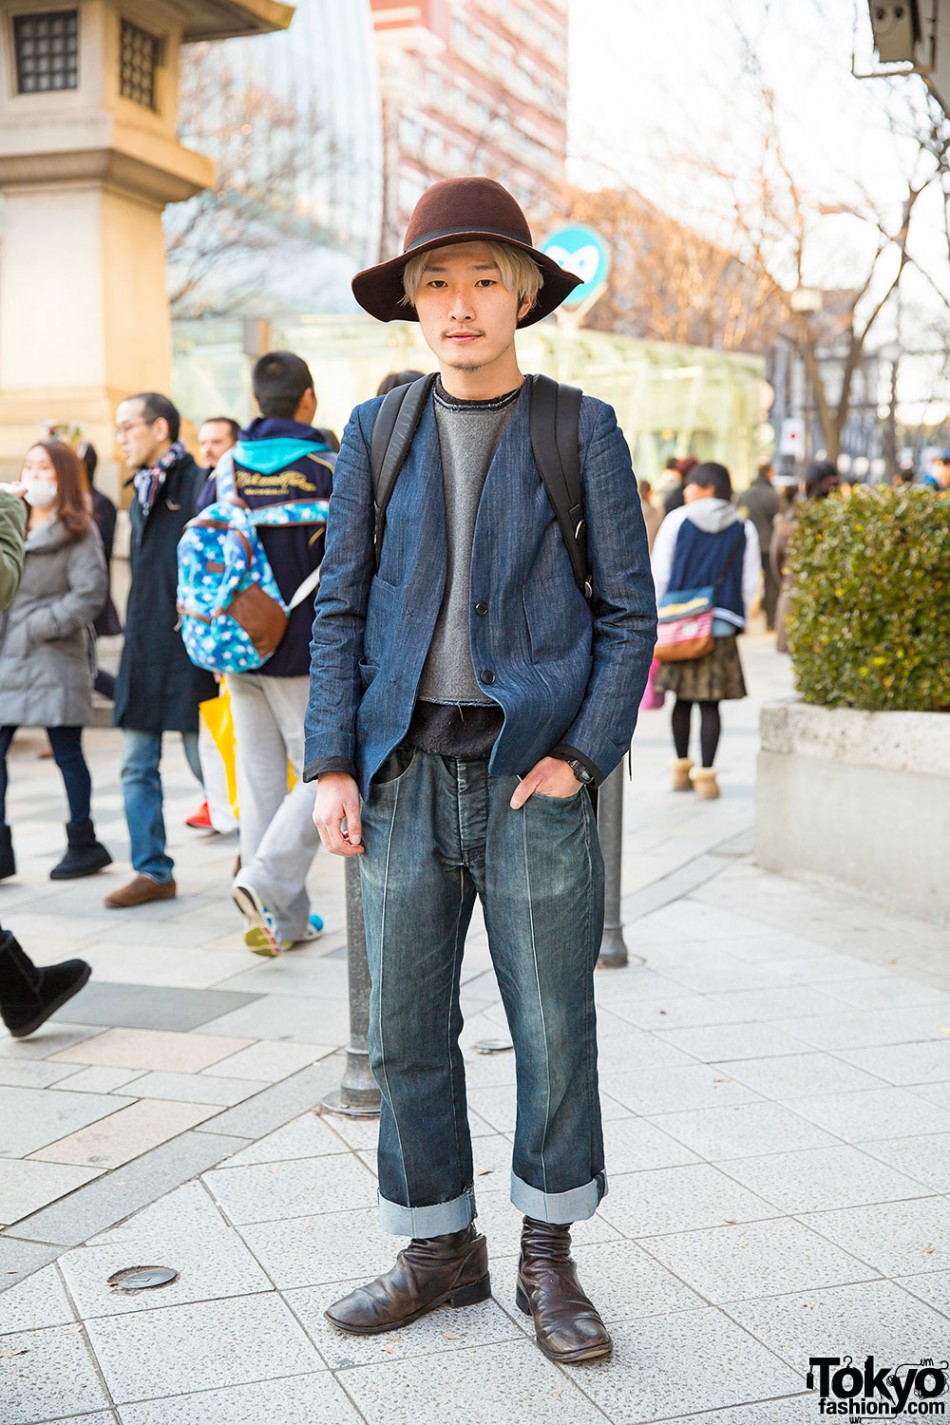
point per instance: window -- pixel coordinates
(47, 51)
(140, 55)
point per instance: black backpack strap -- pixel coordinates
(555, 415)
(396, 423)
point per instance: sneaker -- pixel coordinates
(258, 916)
(256, 940)
(200, 819)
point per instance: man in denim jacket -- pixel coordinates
(468, 692)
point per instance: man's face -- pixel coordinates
(214, 438)
(468, 316)
(942, 473)
(141, 442)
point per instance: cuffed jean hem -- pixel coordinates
(435, 1221)
(559, 1207)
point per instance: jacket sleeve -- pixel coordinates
(778, 549)
(340, 615)
(12, 530)
(88, 585)
(624, 603)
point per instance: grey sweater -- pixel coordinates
(469, 434)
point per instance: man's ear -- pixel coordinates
(524, 309)
(163, 434)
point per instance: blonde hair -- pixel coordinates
(519, 273)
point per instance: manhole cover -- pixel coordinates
(493, 1046)
(139, 1278)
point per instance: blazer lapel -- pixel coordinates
(421, 493)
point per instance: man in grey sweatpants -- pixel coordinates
(280, 459)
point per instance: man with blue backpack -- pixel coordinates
(277, 479)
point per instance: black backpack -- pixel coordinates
(554, 415)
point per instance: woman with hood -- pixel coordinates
(704, 543)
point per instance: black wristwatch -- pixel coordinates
(582, 773)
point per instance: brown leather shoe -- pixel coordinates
(430, 1272)
(567, 1326)
(139, 891)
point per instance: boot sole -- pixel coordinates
(55, 875)
(460, 1296)
(58, 1003)
(564, 1358)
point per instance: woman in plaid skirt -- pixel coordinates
(706, 543)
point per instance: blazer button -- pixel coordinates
(481, 607)
(488, 677)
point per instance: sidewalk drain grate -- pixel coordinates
(142, 1278)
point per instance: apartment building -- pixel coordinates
(472, 86)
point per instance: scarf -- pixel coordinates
(148, 481)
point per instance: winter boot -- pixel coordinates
(7, 859)
(681, 770)
(84, 854)
(451, 1270)
(704, 780)
(567, 1325)
(28, 995)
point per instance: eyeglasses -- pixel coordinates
(130, 425)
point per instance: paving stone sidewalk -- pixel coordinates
(776, 1093)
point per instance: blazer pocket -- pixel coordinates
(368, 672)
(547, 618)
(381, 612)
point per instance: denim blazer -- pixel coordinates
(563, 672)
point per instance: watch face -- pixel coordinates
(580, 772)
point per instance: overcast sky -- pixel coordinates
(648, 78)
(658, 86)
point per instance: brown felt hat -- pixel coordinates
(460, 210)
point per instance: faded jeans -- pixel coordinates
(437, 833)
(142, 794)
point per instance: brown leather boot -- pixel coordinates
(567, 1326)
(430, 1272)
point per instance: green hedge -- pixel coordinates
(869, 625)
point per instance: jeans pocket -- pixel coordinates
(396, 765)
(546, 797)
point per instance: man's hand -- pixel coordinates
(338, 802)
(551, 777)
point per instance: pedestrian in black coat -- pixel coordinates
(158, 688)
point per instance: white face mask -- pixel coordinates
(40, 493)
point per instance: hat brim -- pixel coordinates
(379, 289)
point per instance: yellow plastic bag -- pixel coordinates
(217, 749)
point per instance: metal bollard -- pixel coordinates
(613, 949)
(358, 1095)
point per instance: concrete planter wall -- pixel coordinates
(862, 797)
